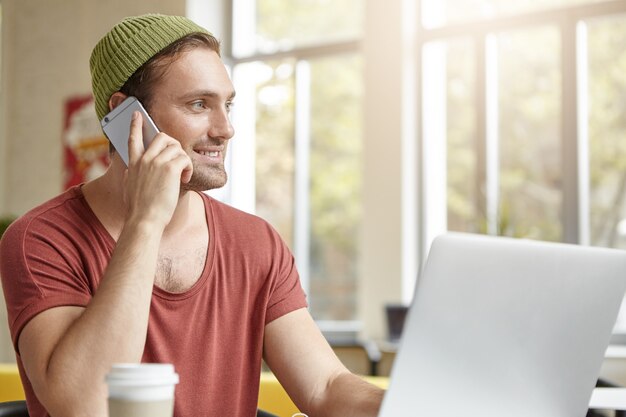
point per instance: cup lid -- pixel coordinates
(142, 374)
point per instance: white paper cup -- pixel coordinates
(141, 390)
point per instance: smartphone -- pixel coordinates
(116, 126)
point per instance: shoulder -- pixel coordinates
(226, 216)
(33, 236)
(47, 224)
(245, 233)
(52, 212)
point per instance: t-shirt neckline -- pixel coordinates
(208, 263)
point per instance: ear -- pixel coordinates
(116, 99)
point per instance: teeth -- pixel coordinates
(215, 153)
(209, 153)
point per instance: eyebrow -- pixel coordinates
(206, 93)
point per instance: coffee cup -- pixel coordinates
(141, 390)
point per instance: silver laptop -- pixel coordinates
(504, 327)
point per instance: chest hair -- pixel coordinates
(178, 269)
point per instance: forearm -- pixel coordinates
(348, 395)
(312, 374)
(113, 326)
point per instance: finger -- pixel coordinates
(173, 152)
(125, 187)
(187, 171)
(168, 153)
(135, 139)
(185, 167)
(160, 142)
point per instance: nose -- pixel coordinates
(220, 125)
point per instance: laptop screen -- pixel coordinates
(506, 327)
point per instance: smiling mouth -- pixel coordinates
(212, 154)
(209, 156)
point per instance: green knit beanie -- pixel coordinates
(129, 45)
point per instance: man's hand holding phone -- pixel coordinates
(154, 174)
(156, 162)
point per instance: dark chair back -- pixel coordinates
(13, 409)
(261, 413)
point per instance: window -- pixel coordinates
(515, 104)
(520, 114)
(267, 26)
(606, 66)
(529, 133)
(464, 212)
(297, 69)
(526, 101)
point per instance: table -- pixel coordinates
(608, 399)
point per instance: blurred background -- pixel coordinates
(364, 128)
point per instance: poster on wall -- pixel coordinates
(85, 147)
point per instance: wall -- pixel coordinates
(46, 60)
(381, 260)
(46, 48)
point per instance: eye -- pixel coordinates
(229, 105)
(198, 105)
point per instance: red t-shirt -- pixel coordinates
(56, 254)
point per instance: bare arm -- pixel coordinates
(311, 373)
(66, 351)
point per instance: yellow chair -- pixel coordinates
(273, 398)
(10, 383)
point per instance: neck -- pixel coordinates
(105, 196)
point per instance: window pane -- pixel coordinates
(285, 24)
(607, 124)
(335, 197)
(436, 13)
(529, 131)
(464, 214)
(274, 145)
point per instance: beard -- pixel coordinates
(206, 178)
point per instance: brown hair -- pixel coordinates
(141, 83)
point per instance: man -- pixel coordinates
(139, 265)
